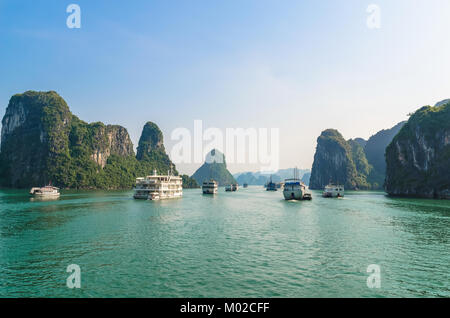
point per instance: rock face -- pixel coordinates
(35, 132)
(338, 161)
(42, 142)
(110, 140)
(306, 177)
(443, 102)
(362, 142)
(151, 140)
(418, 158)
(151, 149)
(215, 167)
(375, 150)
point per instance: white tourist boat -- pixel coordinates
(294, 189)
(333, 191)
(232, 187)
(45, 192)
(156, 187)
(210, 187)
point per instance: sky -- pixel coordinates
(297, 66)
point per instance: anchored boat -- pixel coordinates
(232, 187)
(271, 186)
(45, 192)
(210, 187)
(295, 189)
(156, 187)
(333, 191)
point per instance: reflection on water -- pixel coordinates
(249, 243)
(43, 199)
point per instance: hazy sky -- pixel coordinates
(300, 66)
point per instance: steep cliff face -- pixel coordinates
(151, 141)
(334, 161)
(42, 142)
(215, 167)
(151, 149)
(109, 140)
(35, 132)
(375, 150)
(418, 158)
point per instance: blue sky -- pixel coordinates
(300, 66)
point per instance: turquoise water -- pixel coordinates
(245, 244)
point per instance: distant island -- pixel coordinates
(43, 142)
(215, 167)
(258, 178)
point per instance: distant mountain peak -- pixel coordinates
(214, 168)
(215, 156)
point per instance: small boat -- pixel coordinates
(295, 189)
(245, 185)
(333, 191)
(271, 186)
(232, 187)
(45, 192)
(210, 187)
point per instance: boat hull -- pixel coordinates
(46, 195)
(293, 194)
(155, 197)
(333, 195)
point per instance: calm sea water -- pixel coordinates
(245, 244)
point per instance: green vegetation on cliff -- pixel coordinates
(42, 142)
(418, 158)
(339, 161)
(189, 182)
(151, 152)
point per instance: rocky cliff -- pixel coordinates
(151, 152)
(42, 142)
(109, 140)
(418, 158)
(35, 132)
(375, 150)
(151, 141)
(339, 161)
(215, 167)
